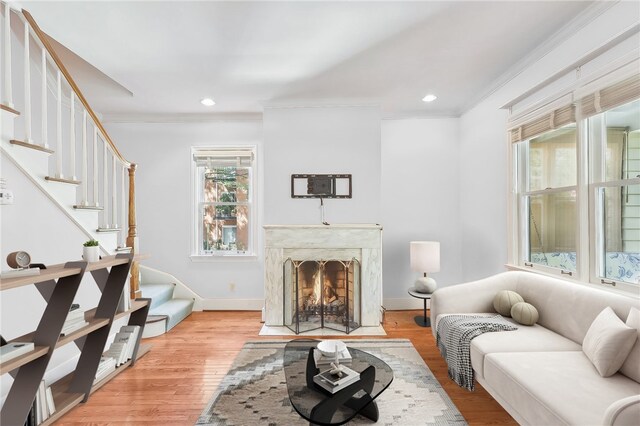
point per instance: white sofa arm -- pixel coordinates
(623, 412)
(472, 297)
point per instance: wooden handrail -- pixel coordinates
(45, 42)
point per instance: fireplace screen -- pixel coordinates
(321, 294)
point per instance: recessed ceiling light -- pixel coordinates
(430, 98)
(208, 102)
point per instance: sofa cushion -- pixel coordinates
(504, 301)
(524, 339)
(555, 387)
(608, 342)
(631, 366)
(524, 313)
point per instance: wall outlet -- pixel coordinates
(6, 197)
(232, 287)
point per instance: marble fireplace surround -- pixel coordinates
(324, 242)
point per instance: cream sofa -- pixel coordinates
(539, 374)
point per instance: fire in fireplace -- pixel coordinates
(321, 294)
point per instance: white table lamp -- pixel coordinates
(425, 258)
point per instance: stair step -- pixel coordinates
(62, 180)
(80, 207)
(9, 109)
(31, 146)
(175, 309)
(158, 293)
(108, 230)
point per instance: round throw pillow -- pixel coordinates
(504, 300)
(524, 313)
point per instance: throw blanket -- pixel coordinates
(453, 337)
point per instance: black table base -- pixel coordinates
(324, 411)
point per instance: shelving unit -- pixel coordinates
(58, 285)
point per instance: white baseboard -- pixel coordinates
(398, 304)
(404, 303)
(232, 304)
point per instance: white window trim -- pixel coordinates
(588, 170)
(250, 255)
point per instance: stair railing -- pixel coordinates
(107, 174)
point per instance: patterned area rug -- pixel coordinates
(254, 391)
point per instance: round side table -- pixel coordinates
(422, 321)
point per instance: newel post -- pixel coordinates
(132, 237)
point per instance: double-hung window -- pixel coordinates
(576, 185)
(224, 210)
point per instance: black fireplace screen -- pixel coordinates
(321, 294)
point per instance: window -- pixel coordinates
(576, 180)
(615, 141)
(224, 211)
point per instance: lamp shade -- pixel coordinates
(425, 256)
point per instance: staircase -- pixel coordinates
(49, 131)
(171, 300)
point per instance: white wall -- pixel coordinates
(322, 140)
(163, 203)
(484, 146)
(35, 225)
(420, 200)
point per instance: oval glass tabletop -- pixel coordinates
(319, 406)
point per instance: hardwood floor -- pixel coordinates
(172, 383)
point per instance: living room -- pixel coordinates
(332, 89)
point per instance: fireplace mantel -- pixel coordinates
(324, 242)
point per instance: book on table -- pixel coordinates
(333, 382)
(344, 357)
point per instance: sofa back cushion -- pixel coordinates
(569, 308)
(631, 366)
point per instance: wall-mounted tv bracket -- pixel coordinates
(321, 186)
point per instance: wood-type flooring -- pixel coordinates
(172, 383)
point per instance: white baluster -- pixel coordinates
(8, 100)
(95, 166)
(44, 99)
(114, 194)
(27, 86)
(72, 135)
(105, 185)
(85, 183)
(123, 208)
(59, 128)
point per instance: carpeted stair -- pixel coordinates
(164, 305)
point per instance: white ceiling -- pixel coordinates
(247, 55)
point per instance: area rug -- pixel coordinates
(254, 391)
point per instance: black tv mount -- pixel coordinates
(320, 186)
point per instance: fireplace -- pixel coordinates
(322, 251)
(321, 294)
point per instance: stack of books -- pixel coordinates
(334, 383)
(106, 366)
(14, 349)
(321, 360)
(43, 406)
(123, 345)
(75, 320)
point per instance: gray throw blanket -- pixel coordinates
(453, 337)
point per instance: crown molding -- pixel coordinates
(573, 26)
(181, 117)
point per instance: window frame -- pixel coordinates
(590, 179)
(196, 227)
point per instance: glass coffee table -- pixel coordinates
(321, 407)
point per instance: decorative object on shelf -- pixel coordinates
(425, 258)
(18, 260)
(91, 251)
